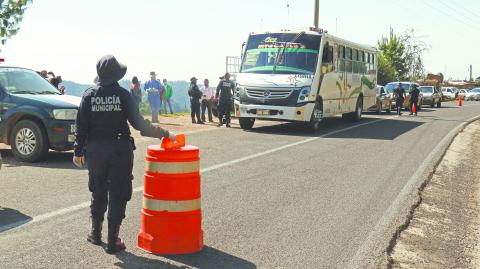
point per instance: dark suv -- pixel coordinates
(34, 116)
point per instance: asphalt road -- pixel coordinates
(273, 197)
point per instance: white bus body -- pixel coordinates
(282, 78)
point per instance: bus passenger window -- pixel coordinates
(341, 60)
(348, 62)
(327, 59)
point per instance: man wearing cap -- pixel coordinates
(225, 91)
(104, 144)
(154, 88)
(195, 96)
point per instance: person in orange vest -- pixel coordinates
(104, 144)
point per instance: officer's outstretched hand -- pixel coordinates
(172, 136)
(79, 161)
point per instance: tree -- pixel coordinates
(400, 57)
(11, 14)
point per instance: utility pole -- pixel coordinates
(471, 73)
(316, 18)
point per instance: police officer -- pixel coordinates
(414, 93)
(195, 96)
(225, 90)
(103, 142)
(400, 95)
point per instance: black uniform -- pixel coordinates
(103, 137)
(399, 93)
(195, 96)
(225, 90)
(414, 93)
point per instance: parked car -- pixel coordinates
(407, 86)
(449, 93)
(384, 101)
(34, 116)
(431, 96)
(473, 95)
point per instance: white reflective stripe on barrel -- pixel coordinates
(173, 168)
(171, 206)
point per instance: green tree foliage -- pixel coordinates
(400, 57)
(11, 14)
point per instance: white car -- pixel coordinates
(449, 93)
(473, 94)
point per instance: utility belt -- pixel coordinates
(118, 137)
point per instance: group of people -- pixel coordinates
(400, 95)
(157, 94)
(54, 80)
(204, 99)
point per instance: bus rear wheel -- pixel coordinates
(246, 123)
(357, 115)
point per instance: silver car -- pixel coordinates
(431, 96)
(473, 94)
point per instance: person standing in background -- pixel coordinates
(225, 91)
(136, 91)
(414, 93)
(153, 89)
(167, 95)
(208, 97)
(195, 96)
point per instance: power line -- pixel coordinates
(449, 15)
(461, 13)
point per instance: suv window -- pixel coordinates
(23, 81)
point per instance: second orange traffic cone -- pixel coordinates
(414, 108)
(460, 100)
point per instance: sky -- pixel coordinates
(184, 38)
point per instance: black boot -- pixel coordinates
(95, 236)
(115, 244)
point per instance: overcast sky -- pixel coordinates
(184, 38)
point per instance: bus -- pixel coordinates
(282, 78)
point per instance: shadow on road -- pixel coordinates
(11, 218)
(61, 160)
(382, 130)
(207, 258)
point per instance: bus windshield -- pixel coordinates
(283, 53)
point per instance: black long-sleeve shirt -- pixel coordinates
(225, 90)
(103, 115)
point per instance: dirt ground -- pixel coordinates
(445, 229)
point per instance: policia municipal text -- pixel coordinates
(104, 144)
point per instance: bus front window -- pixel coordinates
(268, 53)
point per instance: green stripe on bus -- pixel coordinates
(281, 49)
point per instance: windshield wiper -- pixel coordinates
(280, 55)
(49, 92)
(24, 92)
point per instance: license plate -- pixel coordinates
(73, 128)
(263, 112)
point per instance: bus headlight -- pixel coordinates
(304, 94)
(238, 92)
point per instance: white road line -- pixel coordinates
(84, 205)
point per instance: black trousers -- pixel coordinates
(195, 107)
(399, 104)
(224, 111)
(207, 105)
(110, 165)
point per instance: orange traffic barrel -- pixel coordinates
(171, 221)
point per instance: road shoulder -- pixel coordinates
(443, 231)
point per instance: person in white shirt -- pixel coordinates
(208, 98)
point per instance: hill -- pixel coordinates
(180, 99)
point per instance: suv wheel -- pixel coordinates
(28, 141)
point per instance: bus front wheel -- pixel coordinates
(246, 123)
(317, 118)
(357, 115)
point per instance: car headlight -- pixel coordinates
(65, 114)
(304, 93)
